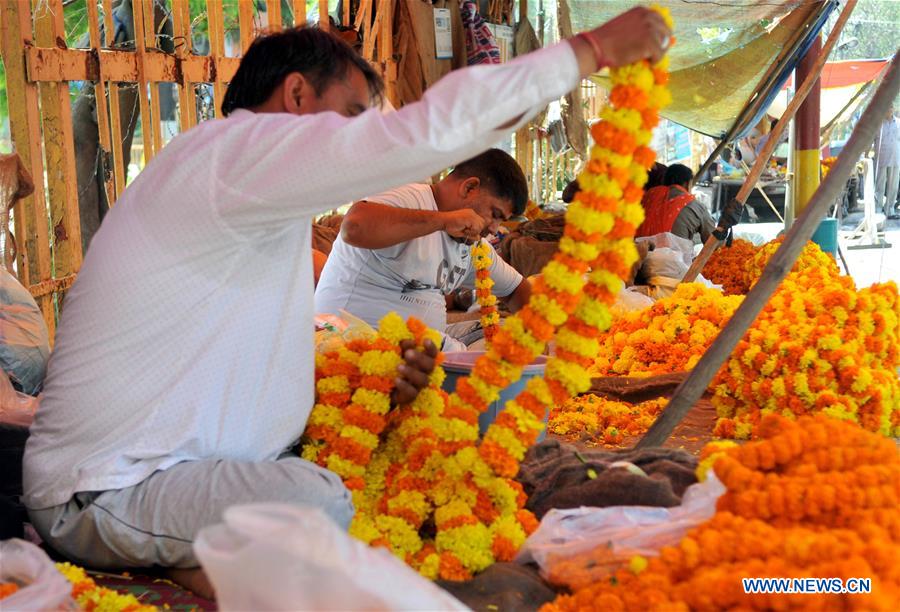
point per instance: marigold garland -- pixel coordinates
(490, 316)
(92, 597)
(813, 498)
(594, 420)
(421, 470)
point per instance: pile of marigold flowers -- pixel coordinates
(592, 419)
(819, 345)
(815, 498)
(670, 336)
(728, 267)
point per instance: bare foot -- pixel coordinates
(194, 580)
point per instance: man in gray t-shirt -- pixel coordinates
(406, 249)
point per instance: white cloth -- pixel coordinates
(188, 334)
(410, 278)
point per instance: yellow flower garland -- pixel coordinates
(427, 466)
(92, 597)
(490, 317)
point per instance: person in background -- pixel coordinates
(406, 249)
(887, 165)
(183, 372)
(673, 208)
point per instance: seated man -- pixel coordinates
(406, 249)
(671, 207)
(183, 372)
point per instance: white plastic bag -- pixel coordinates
(15, 408)
(24, 342)
(41, 586)
(624, 531)
(283, 557)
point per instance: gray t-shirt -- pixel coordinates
(692, 220)
(411, 278)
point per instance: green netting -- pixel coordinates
(723, 51)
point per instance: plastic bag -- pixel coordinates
(41, 586)
(668, 240)
(15, 408)
(565, 538)
(24, 341)
(629, 301)
(340, 330)
(283, 557)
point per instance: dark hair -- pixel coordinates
(318, 55)
(656, 176)
(500, 174)
(678, 174)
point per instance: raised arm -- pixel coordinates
(369, 225)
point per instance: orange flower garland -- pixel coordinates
(490, 317)
(813, 499)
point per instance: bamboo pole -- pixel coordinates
(150, 43)
(118, 156)
(324, 24)
(245, 21)
(33, 256)
(187, 97)
(100, 105)
(59, 148)
(140, 49)
(217, 49)
(762, 160)
(688, 392)
(273, 10)
(300, 12)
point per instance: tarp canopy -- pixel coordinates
(723, 51)
(840, 83)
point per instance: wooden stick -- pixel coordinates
(300, 12)
(101, 107)
(273, 11)
(762, 160)
(187, 97)
(119, 170)
(779, 265)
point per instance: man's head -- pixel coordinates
(678, 174)
(492, 184)
(301, 71)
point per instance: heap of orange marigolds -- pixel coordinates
(670, 336)
(820, 345)
(596, 420)
(815, 498)
(423, 483)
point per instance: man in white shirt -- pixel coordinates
(405, 250)
(183, 370)
(887, 165)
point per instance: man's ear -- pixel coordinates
(469, 186)
(296, 91)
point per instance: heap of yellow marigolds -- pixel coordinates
(815, 498)
(423, 483)
(596, 420)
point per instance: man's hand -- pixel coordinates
(634, 35)
(464, 224)
(414, 372)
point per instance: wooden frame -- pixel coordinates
(39, 68)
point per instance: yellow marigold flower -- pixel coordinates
(393, 328)
(373, 401)
(333, 384)
(379, 363)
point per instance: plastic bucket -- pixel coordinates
(460, 364)
(826, 236)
